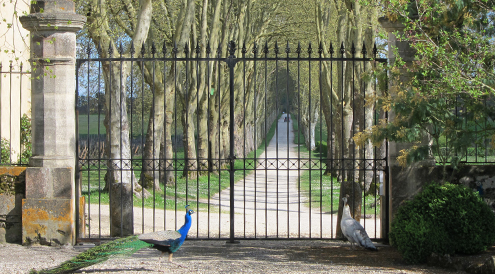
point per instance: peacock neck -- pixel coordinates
(185, 228)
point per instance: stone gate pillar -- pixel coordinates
(49, 207)
(404, 183)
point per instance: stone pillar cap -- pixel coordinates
(53, 22)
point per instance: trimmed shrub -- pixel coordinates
(321, 147)
(442, 219)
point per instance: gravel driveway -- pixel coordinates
(251, 256)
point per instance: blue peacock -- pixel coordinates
(167, 241)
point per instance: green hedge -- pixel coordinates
(442, 219)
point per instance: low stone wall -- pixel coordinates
(478, 178)
(12, 191)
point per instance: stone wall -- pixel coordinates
(12, 191)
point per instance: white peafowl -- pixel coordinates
(353, 230)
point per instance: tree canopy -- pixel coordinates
(449, 96)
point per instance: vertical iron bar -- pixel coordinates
(120, 146)
(298, 51)
(131, 115)
(331, 140)
(77, 145)
(310, 50)
(219, 53)
(99, 149)
(231, 61)
(142, 133)
(210, 160)
(153, 111)
(175, 151)
(276, 134)
(353, 125)
(165, 161)
(287, 51)
(266, 141)
(78, 175)
(255, 157)
(320, 51)
(10, 110)
(198, 162)
(342, 101)
(244, 135)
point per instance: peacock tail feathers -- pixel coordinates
(98, 254)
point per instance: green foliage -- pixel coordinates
(449, 95)
(442, 219)
(5, 150)
(321, 148)
(26, 145)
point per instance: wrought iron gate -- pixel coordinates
(229, 137)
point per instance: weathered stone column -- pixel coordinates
(404, 183)
(49, 207)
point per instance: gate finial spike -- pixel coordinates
(287, 49)
(132, 50)
(153, 48)
(298, 49)
(310, 49)
(255, 48)
(276, 49)
(186, 49)
(198, 49)
(265, 49)
(120, 50)
(232, 48)
(363, 51)
(342, 49)
(331, 49)
(375, 50)
(143, 50)
(353, 49)
(208, 48)
(243, 50)
(320, 48)
(110, 49)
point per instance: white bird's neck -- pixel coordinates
(346, 212)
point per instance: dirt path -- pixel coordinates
(267, 203)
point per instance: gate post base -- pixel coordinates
(48, 211)
(47, 222)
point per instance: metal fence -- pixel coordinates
(475, 130)
(228, 134)
(15, 127)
